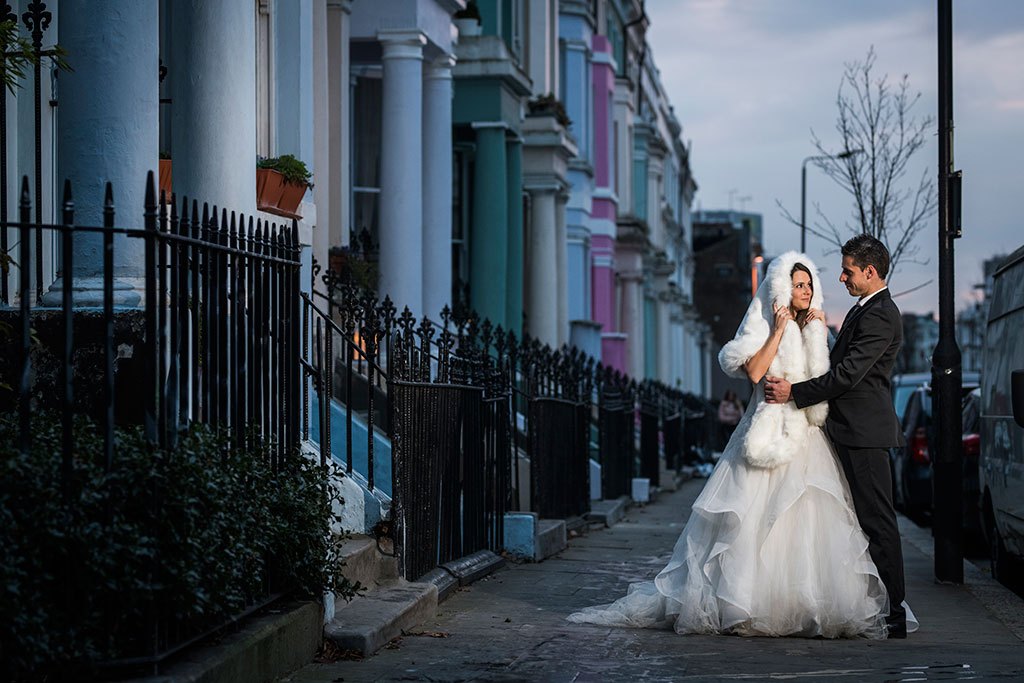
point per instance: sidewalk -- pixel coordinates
(511, 626)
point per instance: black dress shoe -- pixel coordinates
(898, 629)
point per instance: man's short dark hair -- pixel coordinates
(866, 251)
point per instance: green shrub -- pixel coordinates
(293, 170)
(192, 534)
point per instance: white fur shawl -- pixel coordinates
(776, 432)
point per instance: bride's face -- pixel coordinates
(802, 291)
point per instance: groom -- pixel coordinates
(861, 421)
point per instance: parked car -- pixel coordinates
(903, 385)
(912, 464)
(974, 531)
(1001, 469)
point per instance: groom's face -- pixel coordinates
(855, 279)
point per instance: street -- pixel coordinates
(511, 626)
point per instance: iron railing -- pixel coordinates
(462, 401)
(220, 344)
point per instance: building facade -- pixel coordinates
(519, 157)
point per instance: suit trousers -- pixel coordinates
(867, 471)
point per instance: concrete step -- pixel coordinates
(551, 538)
(531, 538)
(609, 511)
(370, 621)
(364, 563)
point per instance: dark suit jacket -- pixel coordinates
(858, 387)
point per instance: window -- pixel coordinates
(462, 211)
(366, 140)
(511, 26)
(614, 31)
(264, 78)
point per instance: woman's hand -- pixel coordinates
(815, 314)
(782, 316)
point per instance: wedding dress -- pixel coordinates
(771, 548)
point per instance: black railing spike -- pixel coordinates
(151, 202)
(174, 209)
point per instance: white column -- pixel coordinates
(562, 268)
(437, 186)
(542, 42)
(339, 110)
(632, 322)
(664, 338)
(109, 120)
(542, 312)
(401, 169)
(655, 165)
(213, 139)
(323, 181)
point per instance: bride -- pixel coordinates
(772, 546)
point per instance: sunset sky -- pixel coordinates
(749, 80)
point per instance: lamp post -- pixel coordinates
(803, 189)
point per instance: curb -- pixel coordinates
(281, 640)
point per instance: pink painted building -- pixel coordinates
(605, 207)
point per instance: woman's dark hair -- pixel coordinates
(801, 316)
(866, 251)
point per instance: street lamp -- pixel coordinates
(803, 189)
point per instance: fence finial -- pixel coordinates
(151, 203)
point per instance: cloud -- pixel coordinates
(749, 80)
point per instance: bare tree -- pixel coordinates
(874, 116)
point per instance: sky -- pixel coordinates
(750, 79)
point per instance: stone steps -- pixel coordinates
(390, 605)
(369, 622)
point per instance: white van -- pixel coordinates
(1001, 464)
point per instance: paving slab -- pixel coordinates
(510, 626)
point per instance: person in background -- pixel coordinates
(730, 412)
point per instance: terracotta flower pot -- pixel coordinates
(269, 188)
(165, 177)
(291, 198)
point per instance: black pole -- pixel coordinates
(152, 349)
(946, 369)
(67, 371)
(24, 296)
(37, 20)
(4, 285)
(108, 326)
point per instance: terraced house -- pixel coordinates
(445, 245)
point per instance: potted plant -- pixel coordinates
(468, 20)
(165, 173)
(281, 182)
(549, 105)
(352, 267)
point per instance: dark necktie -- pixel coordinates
(850, 315)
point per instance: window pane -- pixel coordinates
(366, 121)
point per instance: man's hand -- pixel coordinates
(776, 390)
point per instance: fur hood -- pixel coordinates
(776, 432)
